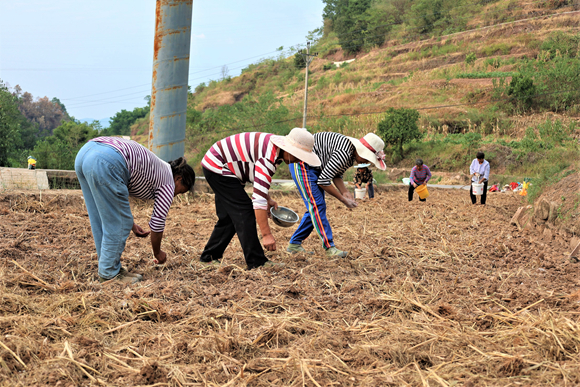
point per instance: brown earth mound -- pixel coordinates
(437, 293)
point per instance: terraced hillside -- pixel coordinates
(460, 83)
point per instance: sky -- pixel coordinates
(96, 56)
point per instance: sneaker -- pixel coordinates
(122, 278)
(276, 265)
(129, 274)
(294, 248)
(334, 252)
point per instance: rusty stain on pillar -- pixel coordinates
(170, 78)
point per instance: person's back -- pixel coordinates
(31, 162)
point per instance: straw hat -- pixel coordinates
(299, 143)
(370, 148)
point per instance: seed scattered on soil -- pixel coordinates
(436, 293)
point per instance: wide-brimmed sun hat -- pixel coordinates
(370, 148)
(299, 143)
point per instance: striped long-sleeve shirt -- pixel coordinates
(420, 176)
(151, 177)
(336, 153)
(250, 157)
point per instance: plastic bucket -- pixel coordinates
(359, 193)
(477, 188)
(406, 181)
(422, 191)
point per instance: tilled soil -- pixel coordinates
(436, 293)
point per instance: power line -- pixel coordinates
(149, 84)
(91, 103)
(201, 71)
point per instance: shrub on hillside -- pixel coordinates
(522, 90)
(557, 82)
(561, 43)
(299, 61)
(399, 127)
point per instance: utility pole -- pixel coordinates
(307, 58)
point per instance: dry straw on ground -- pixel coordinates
(433, 294)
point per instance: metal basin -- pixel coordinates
(284, 217)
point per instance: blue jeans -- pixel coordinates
(104, 179)
(306, 179)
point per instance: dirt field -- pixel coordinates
(441, 293)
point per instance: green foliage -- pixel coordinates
(556, 83)
(561, 44)
(522, 89)
(470, 59)
(263, 113)
(322, 83)
(199, 88)
(359, 24)
(59, 150)
(9, 130)
(492, 74)
(16, 133)
(551, 175)
(399, 127)
(328, 66)
(122, 121)
(299, 61)
(501, 48)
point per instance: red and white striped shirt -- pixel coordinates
(250, 157)
(151, 177)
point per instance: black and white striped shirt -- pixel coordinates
(336, 153)
(151, 177)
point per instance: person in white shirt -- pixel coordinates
(479, 171)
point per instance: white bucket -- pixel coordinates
(359, 193)
(477, 189)
(406, 181)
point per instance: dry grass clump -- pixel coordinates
(437, 293)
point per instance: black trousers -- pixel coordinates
(236, 215)
(474, 197)
(411, 190)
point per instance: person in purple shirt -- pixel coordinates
(420, 175)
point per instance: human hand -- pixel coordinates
(160, 258)
(269, 242)
(350, 203)
(139, 232)
(271, 203)
(348, 195)
(415, 185)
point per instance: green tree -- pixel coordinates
(122, 121)
(522, 90)
(399, 127)
(429, 15)
(299, 61)
(9, 130)
(59, 150)
(350, 23)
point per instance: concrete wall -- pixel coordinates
(20, 178)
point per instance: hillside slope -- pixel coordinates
(457, 81)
